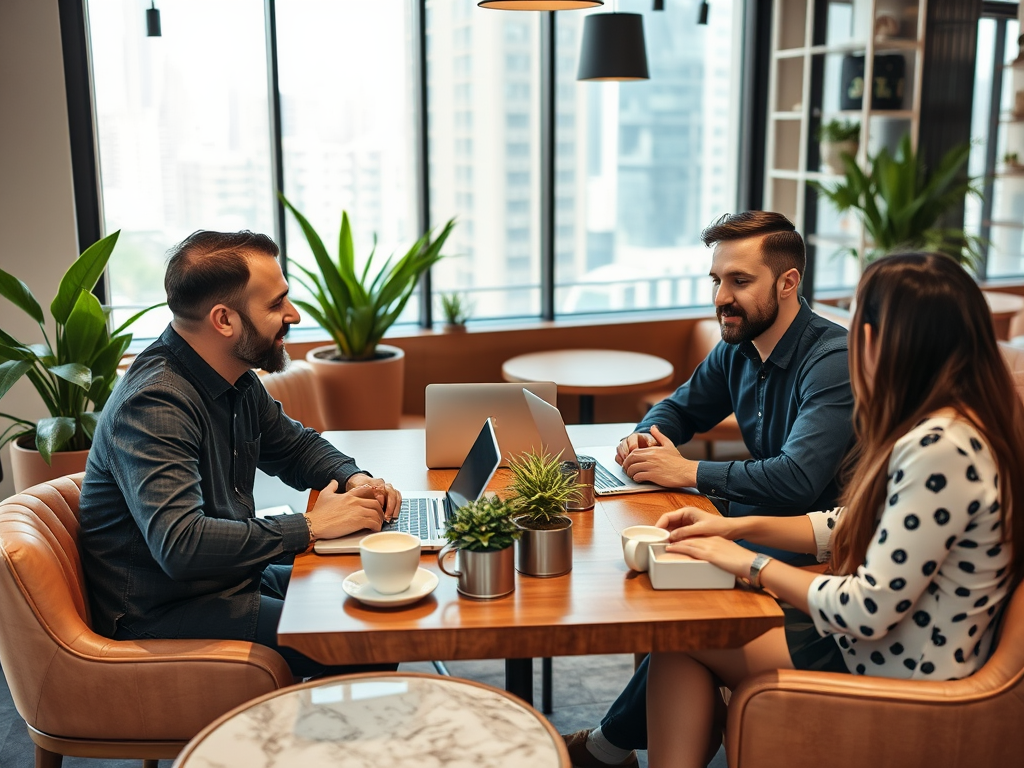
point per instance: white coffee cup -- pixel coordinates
(390, 560)
(636, 544)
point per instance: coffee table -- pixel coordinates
(599, 607)
(589, 372)
(389, 719)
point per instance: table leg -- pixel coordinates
(519, 678)
(586, 409)
(546, 685)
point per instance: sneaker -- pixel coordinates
(581, 757)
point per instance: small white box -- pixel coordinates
(671, 570)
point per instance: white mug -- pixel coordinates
(390, 560)
(636, 544)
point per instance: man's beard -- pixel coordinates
(257, 351)
(749, 328)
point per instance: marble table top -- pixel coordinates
(365, 721)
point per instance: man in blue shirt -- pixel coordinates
(171, 546)
(783, 371)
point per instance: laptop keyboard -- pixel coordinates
(414, 518)
(604, 479)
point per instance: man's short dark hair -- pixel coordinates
(210, 268)
(782, 248)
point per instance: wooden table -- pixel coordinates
(1003, 307)
(396, 719)
(589, 372)
(599, 607)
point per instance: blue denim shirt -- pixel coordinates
(795, 411)
(170, 544)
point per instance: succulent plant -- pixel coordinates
(540, 489)
(484, 525)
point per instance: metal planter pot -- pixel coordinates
(482, 575)
(544, 553)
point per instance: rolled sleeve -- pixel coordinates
(823, 524)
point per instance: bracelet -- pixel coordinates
(309, 527)
(760, 561)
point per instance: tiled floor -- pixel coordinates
(584, 686)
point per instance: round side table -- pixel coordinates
(589, 372)
(391, 718)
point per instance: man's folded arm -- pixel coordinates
(156, 464)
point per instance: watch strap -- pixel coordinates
(760, 561)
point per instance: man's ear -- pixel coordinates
(223, 320)
(788, 282)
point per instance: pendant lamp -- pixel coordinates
(539, 5)
(613, 48)
(152, 20)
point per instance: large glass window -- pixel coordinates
(643, 167)
(348, 125)
(483, 81)
(183, 133)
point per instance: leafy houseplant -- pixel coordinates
(838, 137)
(76, 372)
(540, 492)
(900, 202)
(353, 308)
(482, 532)
(456, 309)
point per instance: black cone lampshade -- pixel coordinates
(613, 48)
(153, 21)
(539, 5)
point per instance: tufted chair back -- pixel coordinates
(295, 388)
(83, 694)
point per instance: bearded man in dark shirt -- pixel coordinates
(171, 545)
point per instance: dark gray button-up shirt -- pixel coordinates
(795, 411)
(170, 543)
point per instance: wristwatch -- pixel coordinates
(760, 561)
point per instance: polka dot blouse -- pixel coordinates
(922, 604)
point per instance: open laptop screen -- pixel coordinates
(477, 469)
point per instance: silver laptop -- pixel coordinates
(454, 412)
(424, 513)
(609, 477)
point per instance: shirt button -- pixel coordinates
(759, 414)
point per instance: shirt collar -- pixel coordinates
(200, 372)
(783, 352)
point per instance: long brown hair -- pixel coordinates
(936, 349)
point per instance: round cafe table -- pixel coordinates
(376, 719)
(1003, 307)
(589, 372)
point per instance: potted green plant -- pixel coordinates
(360, 379)
(74, 373)
(540, 490)
(899, 201)
(456, 308)
(836, 138)
(482, 533)
(1011, 163)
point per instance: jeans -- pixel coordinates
(625, 724)
(272, 589)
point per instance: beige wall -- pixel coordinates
(37, 215)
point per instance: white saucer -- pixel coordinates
(358, 586)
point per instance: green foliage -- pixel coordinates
(900, 202)
(75, 376)
(540, 489)
(484, 525)
(355, 310)
(839, 130)
(456, 308)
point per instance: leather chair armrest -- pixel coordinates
(798, 719)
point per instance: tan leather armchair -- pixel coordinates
(793, 719)
(703, 338)
(295, 388)
(85, 695)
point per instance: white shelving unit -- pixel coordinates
(795, 110)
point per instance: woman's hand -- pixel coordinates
(726, 555)
(687, 522)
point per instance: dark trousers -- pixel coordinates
(625, 724)
(272, 589)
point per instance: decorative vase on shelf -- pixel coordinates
(832, 153)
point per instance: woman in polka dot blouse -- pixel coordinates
(925, 548)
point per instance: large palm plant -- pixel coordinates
(355, 310)
(900, 202)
